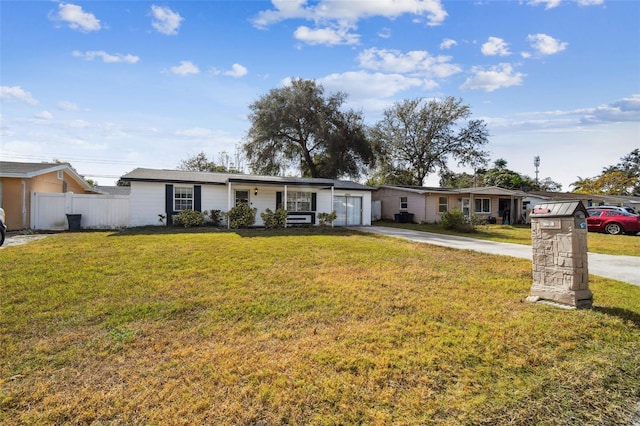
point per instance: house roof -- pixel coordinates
(209, 178)
(10, 169)
(595, 198)
(482, 190)
(113, 190)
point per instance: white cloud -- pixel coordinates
(76, 18)
(418, 62)
(364, 85)
(237, 71)
(622, 110)
(546, 45)
(67, 106)
(165, 20)
(16, 94)
(349, 11)
(495, 46)
(44, 115)
(549, 4)
(106, 57)
(494, 78)
(384, 33)
(590, 2)
(185, 68)
(327, 36)
(448, 43)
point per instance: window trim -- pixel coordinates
(482, 210)
(186, 202)
(404, 203)
(295, 202)
(441, 204)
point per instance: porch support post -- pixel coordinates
(332, 201)
(512, 213)
(228, 202)
(284, 204)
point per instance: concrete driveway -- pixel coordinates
(621, 268)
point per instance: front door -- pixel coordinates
(466, 207)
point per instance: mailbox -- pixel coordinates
(560, 256)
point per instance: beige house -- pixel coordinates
(427, 205)
(18, 181)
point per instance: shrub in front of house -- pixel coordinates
(241, 216)
(188, 218)
(326, 219)
(271, 219)
(457, 221)
(215, 217)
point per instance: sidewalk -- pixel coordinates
(621, 268)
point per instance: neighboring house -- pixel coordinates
(427, 205)
(18, 181)
(589, 200)
(166, 192)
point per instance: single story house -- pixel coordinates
(427, 205)
(18, 181)
(589, 200)
(166, 192)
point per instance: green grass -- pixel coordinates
(628, 245)
(301, 327)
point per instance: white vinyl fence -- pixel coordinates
(49, 210)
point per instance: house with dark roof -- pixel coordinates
(18, 181)
(163, 193)
(427, 205)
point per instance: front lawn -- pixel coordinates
(628, 245)
(301, 327)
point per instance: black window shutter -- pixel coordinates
(197, 198)
(279, 200)
(168, 203)
(313, 202)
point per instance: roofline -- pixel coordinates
(54, 168)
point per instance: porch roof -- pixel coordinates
(482, 190)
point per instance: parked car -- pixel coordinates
(620, 208)
(3, 227)
(612, 221)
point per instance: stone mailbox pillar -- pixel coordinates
(560, 260)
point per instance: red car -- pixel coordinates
(612, 221)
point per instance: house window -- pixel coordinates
(242, 197)
(404, 203)
(482, 205)
(60, 175)
(443, 204)
(182, 198)
(298, 201)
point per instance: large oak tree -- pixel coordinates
(417, 137)
(298, 127)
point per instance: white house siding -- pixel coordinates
(146, 202)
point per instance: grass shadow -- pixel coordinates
(245, 233)
(623, 314)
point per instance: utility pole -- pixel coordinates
(536, 162)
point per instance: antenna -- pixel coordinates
(536, 162)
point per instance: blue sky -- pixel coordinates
(114, 85)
